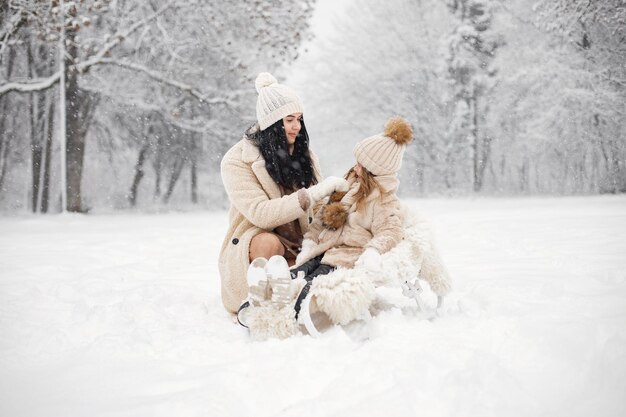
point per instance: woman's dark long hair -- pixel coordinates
(289, 171)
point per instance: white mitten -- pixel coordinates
(307, 247)
(369, 260)
(327, 187)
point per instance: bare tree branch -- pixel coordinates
(43, 84)
(200, 95)
(37, 84)
(118, 38)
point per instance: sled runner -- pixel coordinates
(346, 295)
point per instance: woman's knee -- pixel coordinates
(265, 245)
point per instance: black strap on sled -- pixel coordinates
(301, 297)
(241, 307)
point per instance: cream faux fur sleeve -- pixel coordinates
(387, 225)
(248, 196)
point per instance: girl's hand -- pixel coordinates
(307, 248)
(369, 260)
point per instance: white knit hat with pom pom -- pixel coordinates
(275, 100)
(382, 154)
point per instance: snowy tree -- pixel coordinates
(596, 32)
(559, 119)
(378, 60)
(502, 100)
(48, 21)
(37, 61)
(504, 96)
(185, 62)
(472, 46)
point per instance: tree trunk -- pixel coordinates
(194, 169)
(139, 173)
(524, 175)
(471, 104)
(194, 182)
(36, 156)
(4, 153)
(158, 165)
(157, 182)
(46, 130)
(42, 117)
(178, 168)
(35, 141)
(481, 147)
(75, 150)
(45, 192)
(5, 139)
(485, 154)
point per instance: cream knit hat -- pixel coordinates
(382, 154)
(275, 100)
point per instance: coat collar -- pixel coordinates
(250, 152)
(389, 183)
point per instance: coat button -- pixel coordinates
(235, 241)
(310, 220)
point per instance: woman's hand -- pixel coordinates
(327, 187)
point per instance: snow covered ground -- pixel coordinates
(120, 315)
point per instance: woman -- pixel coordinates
(271, 178)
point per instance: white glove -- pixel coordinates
(307, 247)
(369, 260)
(327, 187)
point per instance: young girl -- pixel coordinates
(355, 227)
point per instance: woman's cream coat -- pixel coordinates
(256, 206)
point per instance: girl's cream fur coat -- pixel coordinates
(377, 224)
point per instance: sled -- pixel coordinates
(347, 295)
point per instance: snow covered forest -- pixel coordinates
(124, 109)
(506, 97)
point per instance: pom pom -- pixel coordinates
(334, 216)
(399, 130)
(336, 196)
(264, 79)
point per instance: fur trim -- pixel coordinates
(432, 268)
(347, 294)
(399, 265)
(343, 295)
(334, 216)
(399, 130)
(267, 322)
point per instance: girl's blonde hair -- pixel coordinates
(368, 184)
